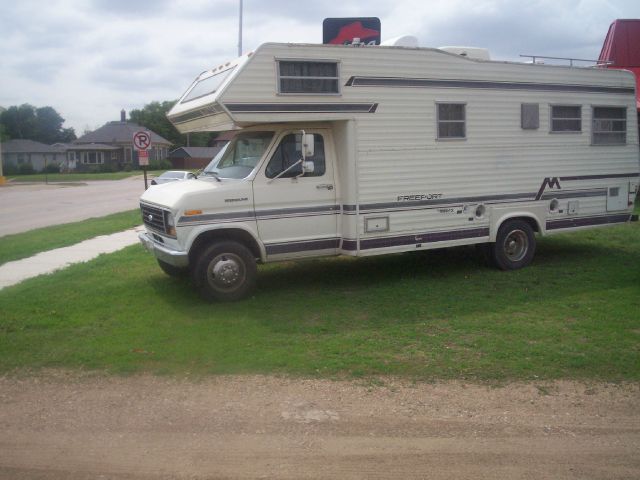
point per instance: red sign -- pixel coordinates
(143, 158)
(343, 31)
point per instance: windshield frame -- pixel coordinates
(215, 170)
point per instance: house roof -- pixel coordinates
(620, 49)
(119, 132)
(92, 146)
(29, 146)
(194, 152)
(226, 136)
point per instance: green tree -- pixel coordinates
(154, 117)
(19, 122)
(42, 124)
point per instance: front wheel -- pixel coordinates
(226, 271)
(515, 245)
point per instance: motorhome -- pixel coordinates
(369, 150)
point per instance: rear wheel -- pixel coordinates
(515, 245)
(226, 271)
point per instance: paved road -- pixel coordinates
(25, 207)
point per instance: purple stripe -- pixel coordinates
(278, 248)
(587, 221)
(599, 177)
(422, 238)
(350, 245)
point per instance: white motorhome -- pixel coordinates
(358, 151)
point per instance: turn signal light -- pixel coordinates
(190, 213)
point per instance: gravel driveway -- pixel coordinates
(66, 426)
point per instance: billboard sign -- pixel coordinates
(342, 31)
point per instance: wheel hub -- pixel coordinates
(516, 245)
(226, 272)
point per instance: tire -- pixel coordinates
(226, 271)
(172, 270)
(515, 245)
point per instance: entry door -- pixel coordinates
(297, 214)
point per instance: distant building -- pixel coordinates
(189, 158)
(112, 144)
(18, 153)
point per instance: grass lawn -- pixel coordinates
(79, 177)
(22, 245)
(574, 314)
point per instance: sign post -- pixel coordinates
(142, 142)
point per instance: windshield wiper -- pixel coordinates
(213, 174)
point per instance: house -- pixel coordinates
(28, 155)
(188, 158)
(620, 49)
(120, 154)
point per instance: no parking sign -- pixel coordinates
(142, 142)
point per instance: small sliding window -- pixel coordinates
(609, 126)
(304, 77)
(451, 118)
(566, 118)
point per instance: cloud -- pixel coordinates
(128, 8)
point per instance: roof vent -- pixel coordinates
(401, 41)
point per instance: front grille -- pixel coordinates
(153, 217)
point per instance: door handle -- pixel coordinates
(328, 186)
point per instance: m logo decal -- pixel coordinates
(548, 182)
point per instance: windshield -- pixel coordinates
(240, 156)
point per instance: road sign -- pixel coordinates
(143, 158)
(141, 140)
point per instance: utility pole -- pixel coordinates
(240, 32)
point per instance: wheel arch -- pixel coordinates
(240, 235)
(528, 217)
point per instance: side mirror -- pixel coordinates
(308, 166)
(308, 145)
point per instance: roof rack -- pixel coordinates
(597, 63)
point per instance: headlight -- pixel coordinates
(169, 224)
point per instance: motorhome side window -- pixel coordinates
(289, 152)
(609, 126)
(566, 118)
(308, 77)
(451, 120)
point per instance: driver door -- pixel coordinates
(297, 213)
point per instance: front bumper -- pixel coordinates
(172, 257)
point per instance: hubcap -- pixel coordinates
(226, 271)
(516, 245)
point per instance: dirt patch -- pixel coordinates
(143, 427)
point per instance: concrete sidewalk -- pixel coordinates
(15, 272)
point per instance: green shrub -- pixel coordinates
(160, 165)
(51, 168)
(26, 169)
(10, 169)
(107, 168)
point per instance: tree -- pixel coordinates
(154, 117)
(42, 124)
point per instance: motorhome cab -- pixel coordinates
(364, 151)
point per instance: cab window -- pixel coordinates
(289, 152)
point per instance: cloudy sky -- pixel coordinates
(90, 58)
